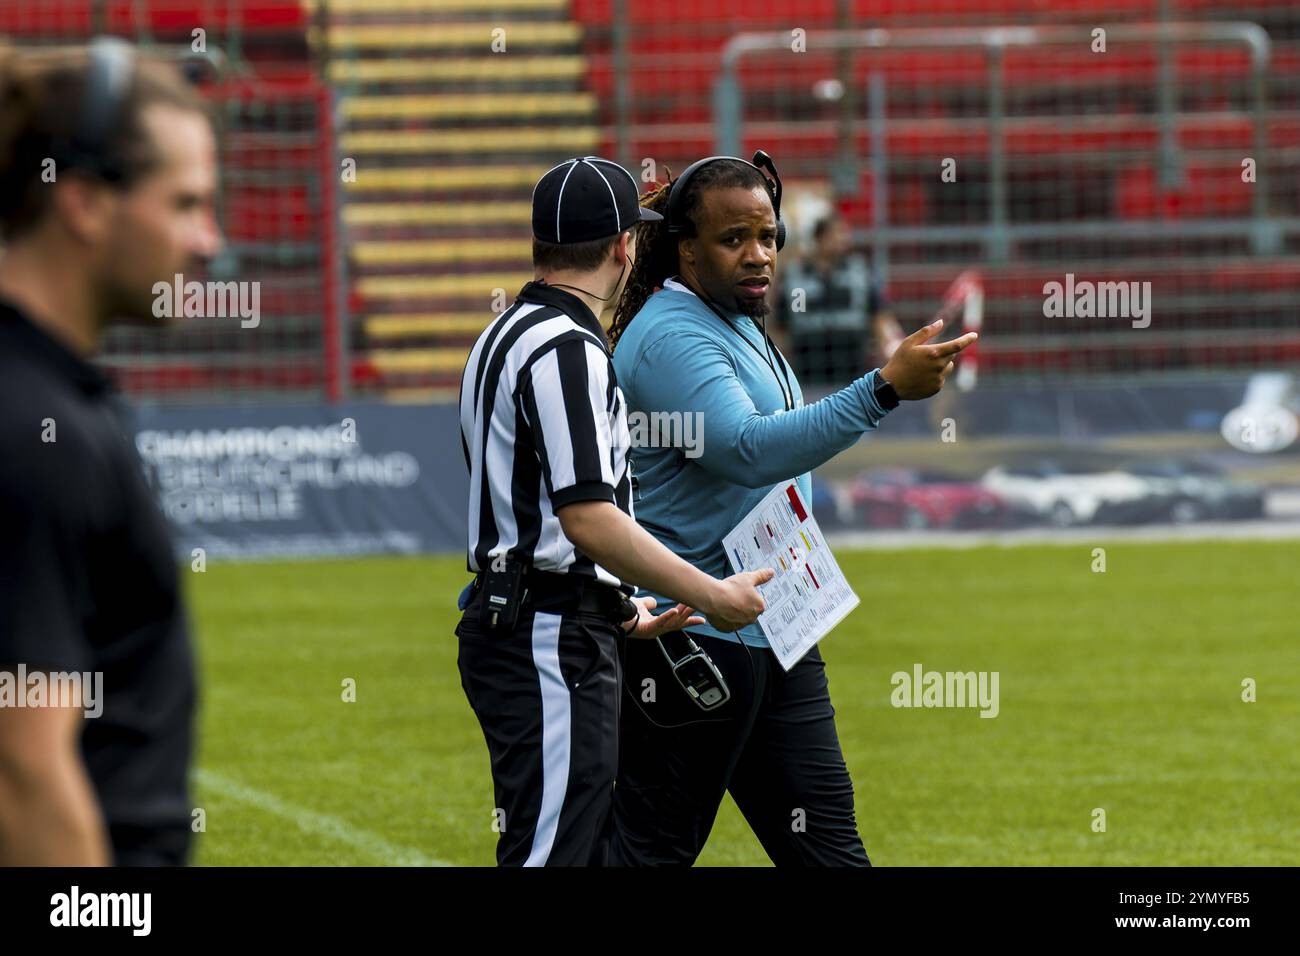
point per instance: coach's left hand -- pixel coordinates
(648, 626)
(917, 370)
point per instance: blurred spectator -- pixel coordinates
(833, 312)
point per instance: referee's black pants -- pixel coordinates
(547, 698)
(773, 745)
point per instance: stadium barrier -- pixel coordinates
(243, 481)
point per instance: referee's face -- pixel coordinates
(733, 254)
(164, 225)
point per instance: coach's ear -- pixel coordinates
(686, 250)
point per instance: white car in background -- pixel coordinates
(1066, 495)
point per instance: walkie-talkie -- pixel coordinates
(503, 594)
(697, 674)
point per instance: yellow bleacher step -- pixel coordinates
(399, 326)
(382, 7)
(450, 359)
(436, 179)
(395, 252)
(453, 69)
(474, 285)
(361, 213)
(568, 140)
(463, 105)
(452, 35)
(421, 396)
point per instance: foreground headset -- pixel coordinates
(108, 80)
(681, 226)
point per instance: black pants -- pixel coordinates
(547, 699)
(773, 746)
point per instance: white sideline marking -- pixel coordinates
(1255, 530)
(317, 823)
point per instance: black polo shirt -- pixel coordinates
(89, 583)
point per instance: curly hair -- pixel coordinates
(656, 256)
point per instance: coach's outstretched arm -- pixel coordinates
(689, 373)
(615, 541)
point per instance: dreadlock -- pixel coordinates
(656, 256)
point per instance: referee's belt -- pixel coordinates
(569, 593)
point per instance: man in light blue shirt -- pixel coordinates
(680, 358)
(696, 367)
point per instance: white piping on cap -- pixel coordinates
(559, 200)
(618, 220)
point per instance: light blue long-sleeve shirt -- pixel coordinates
(678, 356)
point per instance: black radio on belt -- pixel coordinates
(503, 592)
(697, 673)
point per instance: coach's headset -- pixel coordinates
(108, 81)
(680, 226)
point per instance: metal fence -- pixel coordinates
(277, 206)
(1091, 143)
(1095, 141)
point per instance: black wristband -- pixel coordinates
(629, 605)
(885, 393)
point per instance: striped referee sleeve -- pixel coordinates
(564, 399)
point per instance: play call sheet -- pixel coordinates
(809, 594)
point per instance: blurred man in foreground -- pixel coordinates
(109, 166)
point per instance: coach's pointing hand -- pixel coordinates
(916, 369)
(735, 601)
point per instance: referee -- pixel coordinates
(88, 579)
(552, 540)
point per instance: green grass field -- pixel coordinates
(1119, 690)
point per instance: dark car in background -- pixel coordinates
(1197, 490)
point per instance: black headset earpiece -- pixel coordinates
(108, 81)
(679, 225)
(765, 164)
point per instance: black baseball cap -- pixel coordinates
(586, 198)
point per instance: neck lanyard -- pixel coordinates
(787, 391)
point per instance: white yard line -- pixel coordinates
(317, 824)
(1265, 530)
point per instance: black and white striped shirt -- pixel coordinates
(543, 424)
